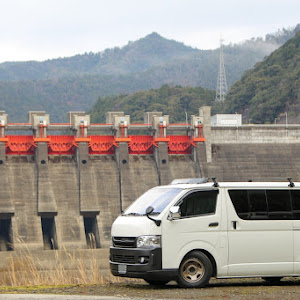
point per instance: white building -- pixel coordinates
(226, 120)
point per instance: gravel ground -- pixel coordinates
(289, 288)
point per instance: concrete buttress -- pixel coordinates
(6, 204)
(162, 162)
(46, 202)
(87, 196)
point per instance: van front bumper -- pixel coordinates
(139, 263)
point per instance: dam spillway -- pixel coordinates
(63, 191)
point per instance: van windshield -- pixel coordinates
(158, 198)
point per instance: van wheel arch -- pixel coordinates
(211, 258)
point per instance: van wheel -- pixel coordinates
(195, 270)
(272, 280)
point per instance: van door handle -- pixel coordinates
(215, 224)
(234, 225)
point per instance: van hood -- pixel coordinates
(133, 226)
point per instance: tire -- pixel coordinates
(157, 282)
(195, 270)
(272, 280)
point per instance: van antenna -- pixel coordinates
(215, 182)
(292, 184)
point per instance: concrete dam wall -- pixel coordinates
(64, 192)
(257, 162)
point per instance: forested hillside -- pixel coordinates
(271, 89)
(75, 83)
(173, 101)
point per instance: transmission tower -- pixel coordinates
(222, 83)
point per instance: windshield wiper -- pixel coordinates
(155, 213)
(132, 214)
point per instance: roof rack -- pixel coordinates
(189, 181)
(291, 182)
(214, 179)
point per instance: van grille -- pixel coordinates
(124, 242)
(128, 259)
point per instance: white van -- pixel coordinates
(189, 232)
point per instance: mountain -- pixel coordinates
(75, 83)
(173, 101)
(148, 52)
(269, 91)
(138, 56)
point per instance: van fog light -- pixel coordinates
(143, 259)
(148, 241)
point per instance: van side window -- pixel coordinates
(264, 204)
(199, 203)
(240, 202)
(258, 204)
(279, 204)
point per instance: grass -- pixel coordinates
(24, 267)
(63, 267)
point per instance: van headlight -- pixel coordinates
(149, 241)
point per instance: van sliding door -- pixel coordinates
(260, 233)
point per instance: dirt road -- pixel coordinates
(252, 289)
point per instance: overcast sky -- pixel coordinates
(44, 29)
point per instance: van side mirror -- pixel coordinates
(174, 213)
(149, 210)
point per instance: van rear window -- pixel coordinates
(266, 204)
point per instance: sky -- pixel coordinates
(46, 29)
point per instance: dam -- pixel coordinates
(63, 185)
